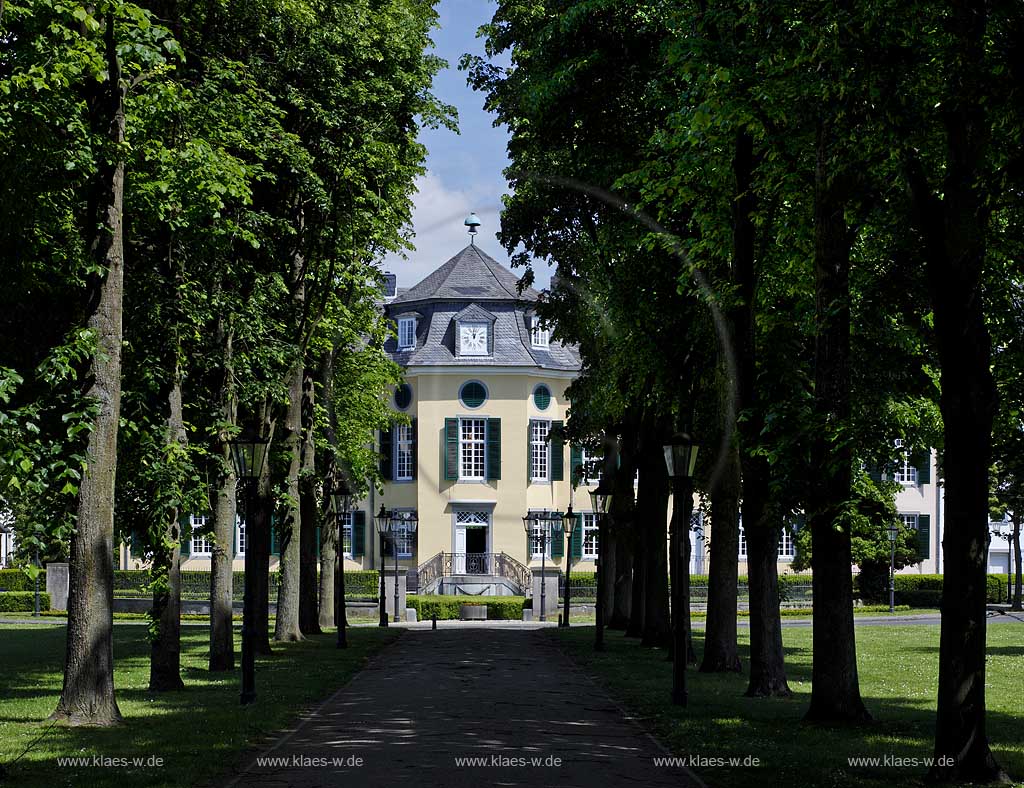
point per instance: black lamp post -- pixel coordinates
(569, 525)
(893, 533)
(248, 453)
(601, 503)
(680, 460)
(543, 520)
(406, 521)
(341, 500)
(383, 523)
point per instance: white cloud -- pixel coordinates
(437, 217)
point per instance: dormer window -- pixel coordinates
(473, 338)
(540, 334)
(406, 333)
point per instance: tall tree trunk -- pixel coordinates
(954, 229)
(625, 526)
(329, 548)
(87, 696)
(287, 626)
(652, 514)
(260, 539)
(1016, 602)
(165, 646)
(767, 661)
(309, 621)
(720, 652)
(835, 686)
(638, 608)
(222, 635)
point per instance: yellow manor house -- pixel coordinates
(484, 389)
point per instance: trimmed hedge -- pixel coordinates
(926, 590)
(360, 585)
(16, 580)
(23, 601)
(499, 608)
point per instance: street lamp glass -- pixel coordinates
(601, 498)
(893, 533)
(407, 519)
(680, 456)
(383, 520)
(569, 520)
(528, 522)
(248, 452)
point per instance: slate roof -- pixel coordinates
(457, 291)
(472, 275)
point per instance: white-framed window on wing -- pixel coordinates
(540, 451)
(590, 533)
(240, 535)
(905, 472)
(406, 333)
(201, 543)
(346, 534)
(403, 538)
(909, 521)
(591, 468)
(403, 453)
(472, 449)
(540, 334)
(743, 541)
(787, 547)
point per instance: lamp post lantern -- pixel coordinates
(893, 532)
(341, 503)
(601, 502)
(248, 453)
(408, 523)
(543, 521)
(680, 461)
(569, 525)
(383, 523)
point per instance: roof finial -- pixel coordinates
(472, 222)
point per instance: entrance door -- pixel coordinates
(476, 550)
(460, 550)
(471, 542)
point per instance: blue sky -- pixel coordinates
(464, 171)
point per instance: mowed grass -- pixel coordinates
(898, 667)
(200, 733)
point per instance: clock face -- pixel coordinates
(473, 339)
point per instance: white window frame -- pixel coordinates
(402, 537)
(787, 544)
(240, 536)
(472, 449)
(540, 334)
(200, 545)
(404, 465)
(590, 536)
(909, 520)
(540, 450)
(346, 534)
(590, 462)
(742, 541)
(406, 333)
(906, 474)
(486, 326)
(539, 548)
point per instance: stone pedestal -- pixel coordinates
(549, 577)
(57, 585)
(389, 591)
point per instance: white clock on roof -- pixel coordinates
(473, 339)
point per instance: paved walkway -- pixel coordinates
(504, 696)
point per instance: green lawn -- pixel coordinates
(898, 667)
(198, 732)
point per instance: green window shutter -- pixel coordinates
(874, 473)
(450, 449)
(185, 535)
(922, 461)
(575, 464)
(576, 547)
(133, 544)
(275, 548)
(557, 442)
(358, 533)
(415, 447)
(386, 453)
(557, 539)
(924, 533)
(493, 448)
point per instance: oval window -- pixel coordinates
(473, 394)
(542, 397)
(403, 396)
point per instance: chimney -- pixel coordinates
(390, 284)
